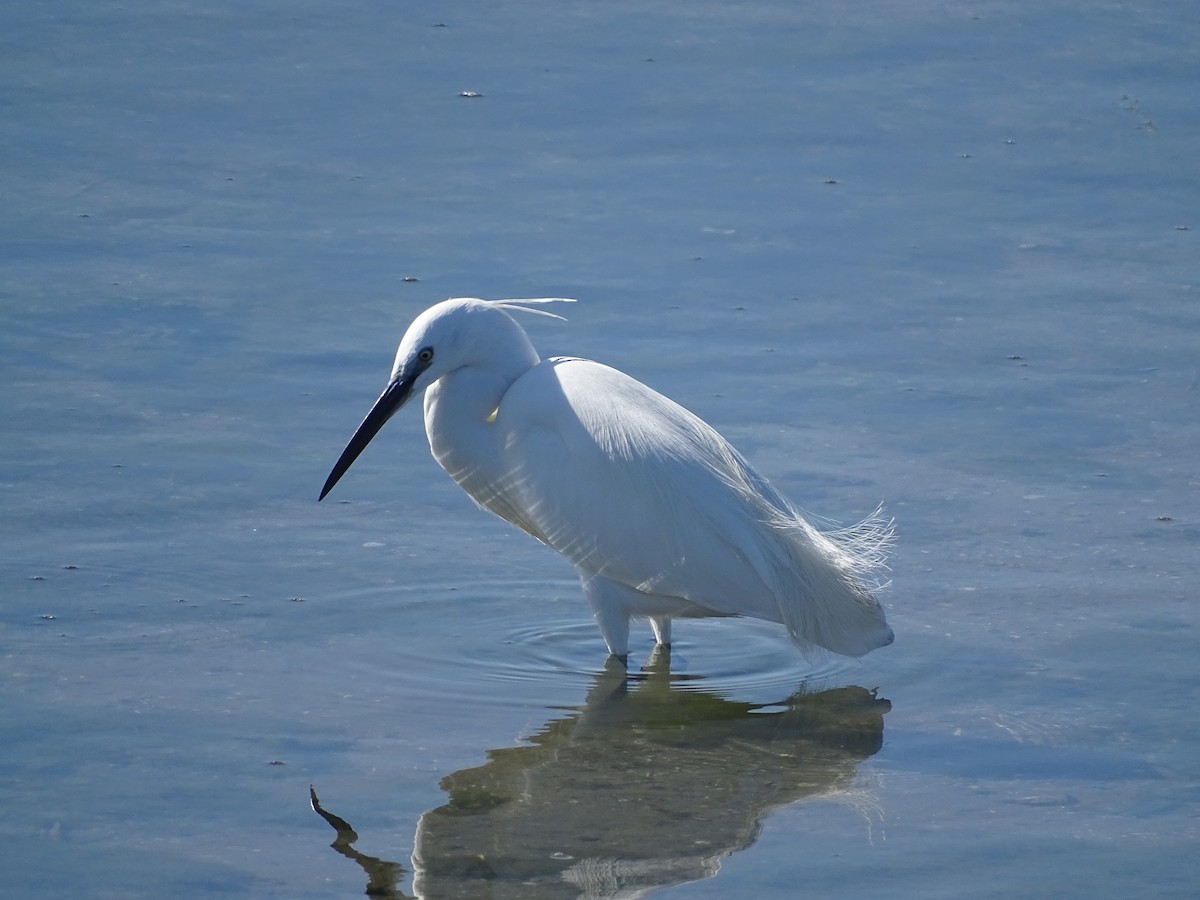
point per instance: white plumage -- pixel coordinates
(658, 513)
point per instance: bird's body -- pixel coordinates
(661, 517)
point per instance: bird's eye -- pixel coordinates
(425, 355)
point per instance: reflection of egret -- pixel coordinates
(637, 789)
(660, 516)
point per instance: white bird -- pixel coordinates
(661, 517)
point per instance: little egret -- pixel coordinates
(658, 514)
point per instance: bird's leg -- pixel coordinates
(611, 612)
(662, 630)
(659, 662)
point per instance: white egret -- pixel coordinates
(660, 515)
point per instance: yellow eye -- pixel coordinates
(425, 355)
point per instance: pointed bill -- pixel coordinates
(394, 396)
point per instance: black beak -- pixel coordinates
(394, 396)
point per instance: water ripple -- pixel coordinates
(477, 638)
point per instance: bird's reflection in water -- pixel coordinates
(647, 785)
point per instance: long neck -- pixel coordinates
(459, 420)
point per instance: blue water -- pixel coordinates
(939, 258)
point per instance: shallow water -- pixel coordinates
(935, 257)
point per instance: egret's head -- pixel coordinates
(449, 336)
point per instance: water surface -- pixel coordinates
(938, 257)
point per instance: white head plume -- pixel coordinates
(519, 305)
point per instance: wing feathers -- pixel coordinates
(628, 485)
